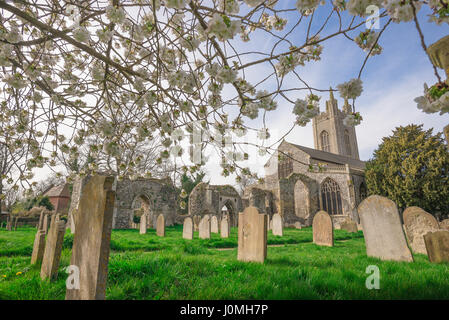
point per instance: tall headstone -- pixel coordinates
(323, 229)
(204, 227)
(278, 226)
(38, 247)
(252, 242)
(417, 223)
(349, 226)
(382, 229)
(437, 246)
(187, 229)
(91, 242)
(214, 224)
(53, 248)
(46, 222)
(224, 227)
(40, 226)
(196, 222)
(444, 224)
(143, 223)
(160, 225)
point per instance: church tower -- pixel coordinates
(329, 132)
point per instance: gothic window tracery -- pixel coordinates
(325, 145)
(331, 197)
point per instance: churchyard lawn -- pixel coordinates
(150, 267)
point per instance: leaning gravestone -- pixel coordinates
(160, 225)
(143, 224)
(40, 226)
(278, 227)
(252, 242)
(323, 229)
(349, 226)
(204, 227)
(214, 224)
(38, 247)
(417, 223)
(224, 227)
(444, 224)
(187, 229)
(46, 222)
(91, 242)
(53, 248)
(437, 246)
(382, 229)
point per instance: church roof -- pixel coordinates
(58, 191)
(330, 157)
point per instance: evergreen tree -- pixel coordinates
(411, 167)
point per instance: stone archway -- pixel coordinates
(230, 211)
(302, 200)
(140, 206)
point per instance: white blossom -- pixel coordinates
(351, 89)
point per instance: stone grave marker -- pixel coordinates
(252, 236)
(417, 223)
(143, 223)
(160, 225)
(214, 224)
(91, 242)
(53, 248)
(224, 227)
(323, 229)
(38, 247)
(349, 225)
(382, 229)
(278, 226)
(204, 227)
(187, 229)
(437, 246)
(444, 224)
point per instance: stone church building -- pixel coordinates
(300, 181)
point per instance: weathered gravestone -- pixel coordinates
(252, 238)
(40, 225)
(143, 223)
(204, 227)
(53, 248)
(224, 227)
(437, 246)
(214, 224)
(187, 229)
(38, 247)
(46, 222)
(196, 222)
(323, 229)
(278, 226)
(417, 223)
(298, 225)
(444, 224)
(91, 242)
(382, 229)
(349, 226)
(160, 226)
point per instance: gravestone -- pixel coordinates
(53, 248)
(46, 222)
(278, 226)
(323, 229)
(196, 222)
(417, 223)
(40, 226)
(437, 246)
(444, 224)
(224, 227)
(15, 223)
(143, 224)
(214, 224)
(91, 242)
(298, 225)
(349, 226)
(252, 238)
(382, 229)
(38, 247)
(9, 224)
(160, 226)
(187, 229)
(204, 227)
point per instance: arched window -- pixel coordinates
(362, 191)
(325, 145)
(285, 166)
(347, 143)
(331, 197)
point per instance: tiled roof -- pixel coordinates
(58, 191)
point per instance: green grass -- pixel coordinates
(151, 267)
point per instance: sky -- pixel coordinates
(391, 82)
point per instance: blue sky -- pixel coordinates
(391, 82)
